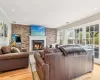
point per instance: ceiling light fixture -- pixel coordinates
(95, 8)
(67, 22)
(13, 10)
(25, 19)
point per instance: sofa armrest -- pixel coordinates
(42, 68)
(46, 71)
(38, 59)
(14, 55)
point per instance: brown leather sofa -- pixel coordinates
(55, 66)
(12, 61)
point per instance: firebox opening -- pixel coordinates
(38, 44)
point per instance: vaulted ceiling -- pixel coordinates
(50, 13)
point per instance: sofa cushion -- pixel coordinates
(6, 49)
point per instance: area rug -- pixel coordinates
(35, 76)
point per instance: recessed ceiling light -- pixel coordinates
(13, 10)
(25, 19)
(95, 8)
(67, 22)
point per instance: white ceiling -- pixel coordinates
(50, 13)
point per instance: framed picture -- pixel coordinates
(37, 30)
(3, 30)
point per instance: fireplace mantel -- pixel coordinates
(37, 38)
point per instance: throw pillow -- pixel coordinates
(6, 49)
(15, 50)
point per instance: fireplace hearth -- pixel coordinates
(38, 44)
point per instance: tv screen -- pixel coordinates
(18, 39)
(37, 30)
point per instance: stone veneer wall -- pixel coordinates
(24, 30)
(51, 34)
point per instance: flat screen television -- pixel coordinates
(18, 39)
(37, 30)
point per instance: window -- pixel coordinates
(71, 37)
(78, 36)
(96, 41)
(92, 38)
(60, 36)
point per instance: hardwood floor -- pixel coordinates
(22, 74)
(95, 75)
(25, 74)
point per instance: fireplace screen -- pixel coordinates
(38, 44)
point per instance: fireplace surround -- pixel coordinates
(37, 42)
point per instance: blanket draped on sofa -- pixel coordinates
(72, 49)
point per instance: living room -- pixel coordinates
(49, 40)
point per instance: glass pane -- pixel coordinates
(96, 41)
(87, 29)
(80, 29)
(75, 41)
(91, 41)
(87, 41)
(92, 28)
(78, 41)
(80, 35)
(96, 48)
(96, 54)
(91, 34)
(87, 35)
(83, 42)
(70, 41)
(96, 27)
(75, 33)
(77, 30)
(96, 51)
(96, 34)
(61, 42)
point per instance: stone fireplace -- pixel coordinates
(37, 42)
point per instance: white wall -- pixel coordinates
(3, 18)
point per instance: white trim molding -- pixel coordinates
(37, 38)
